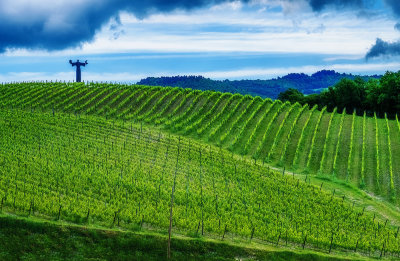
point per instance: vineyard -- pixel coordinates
(86, 169)
(360, 150)
(199, 163)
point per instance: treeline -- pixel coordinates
(372, 95)
(307, 84)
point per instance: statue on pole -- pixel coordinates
(78, 68)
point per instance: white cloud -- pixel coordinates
(262, 73)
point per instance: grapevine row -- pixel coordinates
(314, 136)
(326, 141)
(297, 152)
(288, 139)
(338, 145)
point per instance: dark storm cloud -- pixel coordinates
(394, 5)
(382, 48)
(58, 25)
(318, 5)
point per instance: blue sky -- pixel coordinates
(125, 41)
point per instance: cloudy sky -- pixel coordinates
(127, 40)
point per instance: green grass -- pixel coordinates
(32, 239)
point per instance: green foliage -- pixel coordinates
(392, 189)
(397, 120)
(246, 126)
(292, 95)
(251, 139)
(275, 143)
(210, 99)
(174, 113)
(204, 116)
(349, 161)
(386, 94)
(87, 169)
(346, 94)
(377, 152)
(250, 126)
(314, 136)
(326, 141)
(306, 84)
(218, 129)
(362, 183)
(157, 105)
(156, 116)
(372, 95)
(138, 99)
(146, 103)
(297, 153)
(35, 240)
(263, 141)
(243, 114)
(221, 113)
(338, 144)
(182, 114)
(292, 128)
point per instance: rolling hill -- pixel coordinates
(129, 156)
(360, 150)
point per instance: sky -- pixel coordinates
(127, 40)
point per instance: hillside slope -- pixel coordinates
(360, 150)
(89, 170)
(34, 239)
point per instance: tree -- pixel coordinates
(350, 94)
(389, 97)
(292, 95)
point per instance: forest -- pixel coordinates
(373, 95)
(306, 84)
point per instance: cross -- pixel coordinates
(78, 68)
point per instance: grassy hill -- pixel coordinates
(92, 155)
(360, 150)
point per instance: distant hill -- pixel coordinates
(264, 88)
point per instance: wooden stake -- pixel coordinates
(225, 230)
(59, 213)
(330, 247)
(172, 204)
